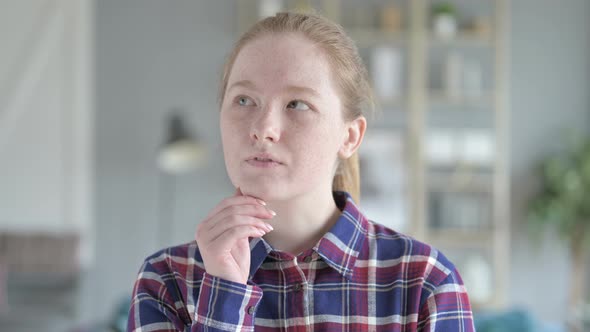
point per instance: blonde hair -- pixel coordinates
(348, 70)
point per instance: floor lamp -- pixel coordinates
(181, 153)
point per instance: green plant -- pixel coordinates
(564, 199)
(563, 203)
(443, 8)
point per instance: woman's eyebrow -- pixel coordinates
(290, 88)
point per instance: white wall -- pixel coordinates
(46, 137)
(46, 156)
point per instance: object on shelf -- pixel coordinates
(383, 168)
(472, 79)
(449, 147)
(268, 8)
(386, 72)
(444, 20)
(477, 147)
(463, 78)
(391, 19)
(482, 26)
(452, 75)
(460, 210)
(440, 147)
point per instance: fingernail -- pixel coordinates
(269, 226)
(261, 202)
(272, 212)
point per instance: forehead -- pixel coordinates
(277, 60)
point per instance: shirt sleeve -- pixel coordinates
(221, 305)
(447, 308)
(224, 305)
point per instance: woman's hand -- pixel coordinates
(223, 236)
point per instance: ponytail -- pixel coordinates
(347, 177)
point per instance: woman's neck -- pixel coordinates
(301, 222)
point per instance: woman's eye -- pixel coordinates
(245, 101)
(298, 105)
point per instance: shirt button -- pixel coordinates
(251, 310)
(297, 287)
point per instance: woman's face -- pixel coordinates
(281, 119)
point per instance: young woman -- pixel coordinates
(290, 250)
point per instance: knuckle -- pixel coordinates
(234, 209)
(234, 218)
(233, 231)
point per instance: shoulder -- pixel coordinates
(173, 262)
(404, 254)
(166, 279)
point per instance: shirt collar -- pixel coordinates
(339, 247)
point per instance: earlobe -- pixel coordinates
(353, 138)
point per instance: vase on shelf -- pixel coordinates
(444, 21)
(386, 71)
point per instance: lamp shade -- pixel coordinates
(181, 152)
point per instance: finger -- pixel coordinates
(234, 200)
(208, 235)
(233, 220)
(250, 210)
(227, 240)
(240, 193)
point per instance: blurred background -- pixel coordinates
(110, 147)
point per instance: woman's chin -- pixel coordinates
(263, 191)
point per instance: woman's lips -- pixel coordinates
(263, 160)
(263, 163)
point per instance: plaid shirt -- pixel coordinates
(361, 276)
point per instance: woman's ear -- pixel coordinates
(355, 131)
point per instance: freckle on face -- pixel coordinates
(308, 142)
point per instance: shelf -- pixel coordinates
(373, 37)
(439, 97)
(463, 39)
(460, 182)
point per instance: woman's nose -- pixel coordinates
(266, 126)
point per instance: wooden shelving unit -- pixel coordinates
(416, 105)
